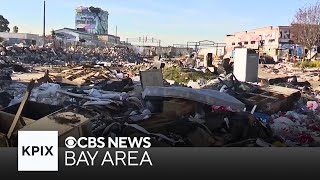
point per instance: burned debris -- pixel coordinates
(111, 92)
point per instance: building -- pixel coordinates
(91, 20)
(17, 38)
(111, 39)
(270, 40)
(74, 35)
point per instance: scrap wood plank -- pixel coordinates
(82, 79)
(281, 90)
(23, 102)
(68, 77)
(97, 74)
(267, 100)
(103, 75)
(271, 97)
(77, 68)
(65, 71)
(78, 72)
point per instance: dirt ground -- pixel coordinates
(264, 75)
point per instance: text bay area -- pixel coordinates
(116, 158)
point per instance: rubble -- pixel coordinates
(108, 92)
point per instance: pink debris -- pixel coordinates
(312, 105)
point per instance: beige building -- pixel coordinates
(268, 40)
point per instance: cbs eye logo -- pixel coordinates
(84, 142)
(70, 142)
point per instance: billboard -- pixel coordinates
(91, 20)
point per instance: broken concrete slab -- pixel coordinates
(152, 77)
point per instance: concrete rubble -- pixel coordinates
(97, 92)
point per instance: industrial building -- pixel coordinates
(111, 39)
(17, 38)
(91, 27)
(74, 35)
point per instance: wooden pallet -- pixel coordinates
(271, 99)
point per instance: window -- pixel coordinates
(246, 42)
(233, 44)
(252, 42)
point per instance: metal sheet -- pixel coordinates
(205, 96)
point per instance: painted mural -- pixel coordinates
(284, 35)
(92, 20)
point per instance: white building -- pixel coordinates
(26, 38)
(74, 35)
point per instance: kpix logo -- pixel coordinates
(38, 151)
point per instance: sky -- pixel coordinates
(171, 21)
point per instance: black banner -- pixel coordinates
(252, 163)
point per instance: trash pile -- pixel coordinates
(185, 117)
(114, 96)
(15, 55)
(113, 54)
(289, 113)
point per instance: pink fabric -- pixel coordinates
(221, 108)
(312, 105)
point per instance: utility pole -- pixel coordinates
(44, 22)
(117, 35)
(160, 48)
(143, 41)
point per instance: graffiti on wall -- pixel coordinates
(92, 20)
(248, 38)
(269, 35)
(284, 35)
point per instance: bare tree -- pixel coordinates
(306, 26)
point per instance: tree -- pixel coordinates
(53, 34)
(306, 26)
(15, 29)
(4, 24)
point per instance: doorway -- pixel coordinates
(209, 61)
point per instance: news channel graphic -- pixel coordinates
(38, 151)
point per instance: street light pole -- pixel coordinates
(44, 22)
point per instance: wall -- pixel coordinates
(272, 37)
(109, 38)
(219, 51)
(21, 36)
(170, 51)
